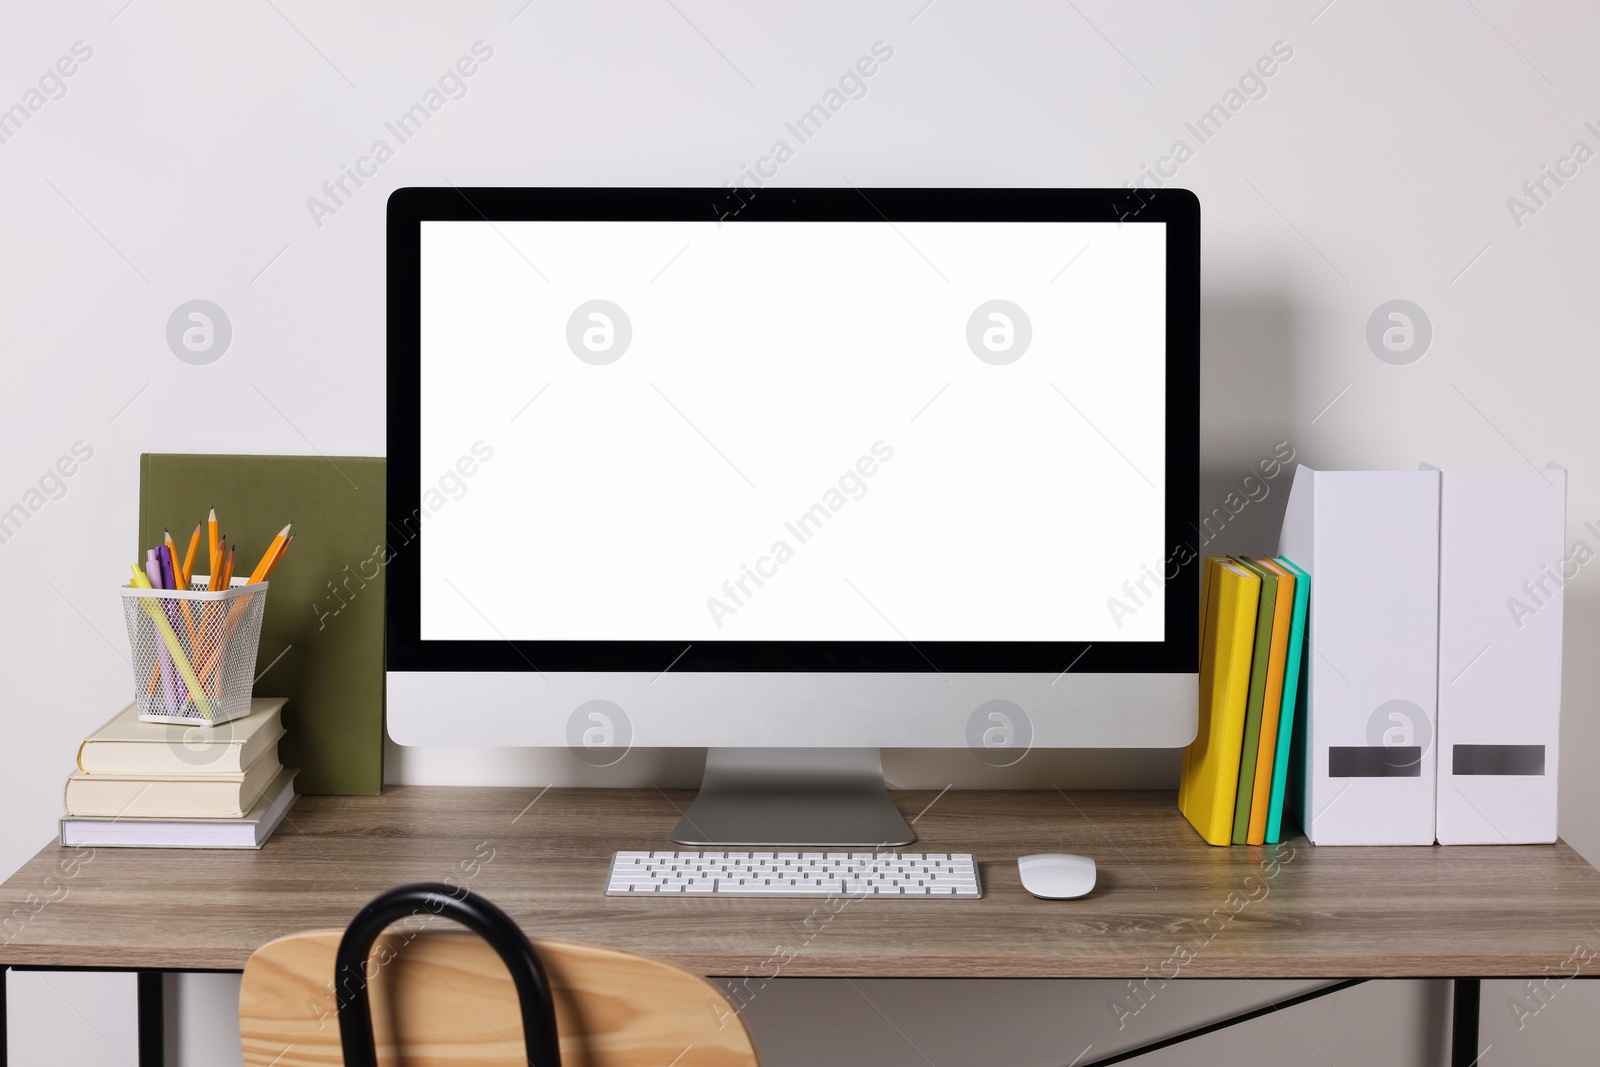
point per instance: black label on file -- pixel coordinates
(1497, 759)
(1375, 761)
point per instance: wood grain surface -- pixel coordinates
(446, 1000)
(1165, 900)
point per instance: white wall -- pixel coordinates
(179, 163)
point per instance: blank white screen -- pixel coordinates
(771, 366)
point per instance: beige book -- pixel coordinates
(251, 831)
(165, 796)
(127, 746)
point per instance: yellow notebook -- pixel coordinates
(1272, 704)
(1210, 779)
(1206, 571)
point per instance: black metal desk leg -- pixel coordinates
(1464, 1023)
(152, 1021)
(5, 972)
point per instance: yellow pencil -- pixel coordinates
(188, 558)
(278, 558)
(211, 540)
(227, 571)
(269, 555)
(216, 566)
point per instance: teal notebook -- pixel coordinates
(1258, 692)
(1293, 694)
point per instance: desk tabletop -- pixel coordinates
(1166, 904)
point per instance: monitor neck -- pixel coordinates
(793, 797)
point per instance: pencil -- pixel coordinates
(211, 540)
(269, 555)
(188, 557)
(277, 558)
(216, 567)
(185, 571)
(227, 571)
(172, 550)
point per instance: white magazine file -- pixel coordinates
(1370, 542)
(1502, 566)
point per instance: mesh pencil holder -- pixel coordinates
(194, 652)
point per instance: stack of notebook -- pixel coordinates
(154, 785)
(1252, 647)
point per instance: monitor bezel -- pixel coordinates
(1178, 209)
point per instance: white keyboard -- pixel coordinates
(794, 874)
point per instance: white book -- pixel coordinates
(250, 831)
(1370, 541)
(1502, 566)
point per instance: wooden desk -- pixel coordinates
(1166, 904)
(1328, 912)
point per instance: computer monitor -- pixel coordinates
(793, 474)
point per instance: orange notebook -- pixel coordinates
(1272, 702)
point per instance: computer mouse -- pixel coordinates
(1056, 875)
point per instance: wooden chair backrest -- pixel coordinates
(456, 1006)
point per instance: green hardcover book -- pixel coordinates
(1258, 690)
(1291, 720)
(322, 634)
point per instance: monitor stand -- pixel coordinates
(793, 797)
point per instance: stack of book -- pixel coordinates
(1252, 647)
(154, 785)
